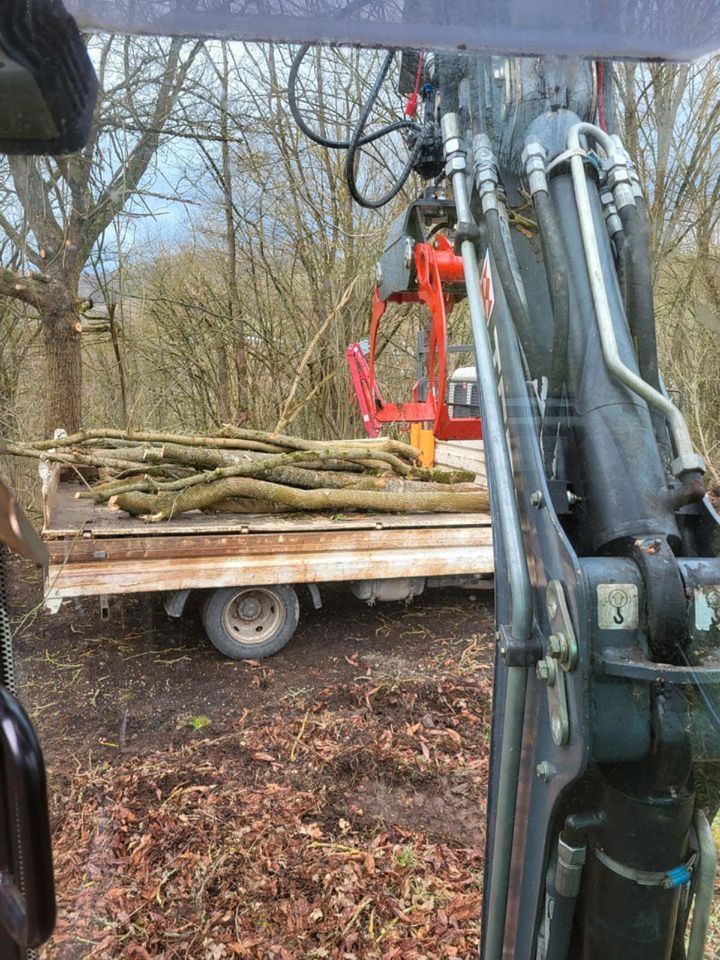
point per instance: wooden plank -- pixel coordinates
(463, 454)
(88, 579)
(71, 517)
(101, 550)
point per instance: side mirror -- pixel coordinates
(47, 82)
(27, 888)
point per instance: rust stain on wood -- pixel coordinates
(85, 579)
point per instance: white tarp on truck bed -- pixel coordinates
(667, 29)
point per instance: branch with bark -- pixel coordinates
(158, 475)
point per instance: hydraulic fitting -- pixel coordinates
(686, 463)
(455, 160)
(621, 186)
(568, 871)
(612, 218)
(485, 172)
(622, 154)
(620, 170)
(450, 126)
(534, 157)
(455, 163)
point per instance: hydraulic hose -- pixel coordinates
(358, 138)
(558, 282)
(510, 288)
(355, 143)
(639, 305)
(621, 263)
(641, 313)
(318, 138)
(706, 868)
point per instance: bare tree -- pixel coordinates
(67, 203)
(671, 116)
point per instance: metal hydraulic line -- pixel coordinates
(686, 459)
(508, 519)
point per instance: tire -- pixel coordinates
(249, 623)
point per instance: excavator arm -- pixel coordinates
(605, 732)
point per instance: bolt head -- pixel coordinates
(546, 771)
(536, 498)
(542, 670)
(555, 646)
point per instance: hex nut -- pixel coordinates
(555, 645)
(546, 671)
(571, 856)
(686, 462)
(542, 671)
(618, 174)
(546, 771)
(534, 149)
(455, 164)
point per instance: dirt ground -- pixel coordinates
(326, 803)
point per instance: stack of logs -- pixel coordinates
(158, 475)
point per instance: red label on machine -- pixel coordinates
(486, 287)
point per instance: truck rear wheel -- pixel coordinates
(249, 623)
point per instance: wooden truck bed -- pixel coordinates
(97, 551)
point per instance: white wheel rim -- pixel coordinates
(253, 615)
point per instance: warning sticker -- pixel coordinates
(486, 287)
(617, 606)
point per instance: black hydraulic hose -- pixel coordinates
(621, 263)
(358, 138)
(557, 946)
(325, 141)
(641, 313)
(556, 270)
(507, 279)
(355, 144)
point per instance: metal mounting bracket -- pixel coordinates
(561, 657)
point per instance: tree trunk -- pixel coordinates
(237, 322)
(111, 309)
(63, 389)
